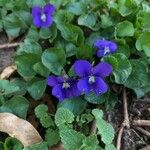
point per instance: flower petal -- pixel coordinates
(101, 43)
(83, 85)
(53, 80)
(99, 86)
(49, 9)
(48, 22)
(37, 21)
(82, 68)
(58, 92)
(112, 46)
(74, 90)
(36, 11)
(63, 93)
(103, 69)
(100, 52)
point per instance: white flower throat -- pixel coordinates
(43, 17)
(106, 50)
(65, 85)
(91, 79)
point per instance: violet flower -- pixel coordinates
(42, 17)
(92, 77)
(105, 47)
(63, 87)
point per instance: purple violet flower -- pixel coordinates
(42, 17)
(92, 77)
(105, 47)
(63, 87)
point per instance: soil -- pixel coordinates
(6, 55)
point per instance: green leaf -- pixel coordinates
(32, 3)
(18, 105)
(46, 121)
(104, 129)
(91, 143)
(142, 20)
(12, 144)
(72, 33)
(77, 8)
(71, 139)
(106, 21)
(124, 49)
(33, 33)
(93, 37)
(110, 147)
(139, 76)
(36, 88)
(89, 20)
(48, 33)
(54, 59)
(111, 101)
(40, 69)
(29, 46)
(85, 118)
(25, 63)
(25, 18)
(140, 92)
(128, 7)
(12, 25)
(1, 146)
(70, 49)
(52, 137)
(63, 116)
(96, 99)
(38, 146)
(124, 69)
(62, 17)
(57, 3)
(41, 110)
(143, 43)
(111, 60)
(75, 105)
(21, 84)
(84, 52)
(8, 88)
(124, 29)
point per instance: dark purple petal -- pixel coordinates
(99, 86)
(53, 80)
(82, 68)
(112, 46)
(100, 52)
(103, 69)
(48, 22)
(74, 90)
(49, 9)
(37, 21)
(101, 43)
(58, 92)
(83, 85)
(36, 11)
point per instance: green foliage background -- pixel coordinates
(77, 24)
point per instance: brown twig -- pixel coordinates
(143, 131)
(126, 122)
(141, 122)
(93, 127)
(9, 45)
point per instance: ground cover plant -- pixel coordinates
(77, 74)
